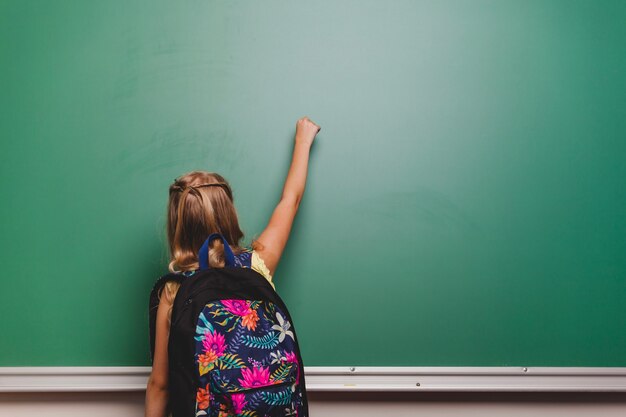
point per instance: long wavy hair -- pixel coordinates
(200, 203)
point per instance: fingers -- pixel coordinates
(306, 131)
(306, 121)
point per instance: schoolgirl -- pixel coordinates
(201, 206)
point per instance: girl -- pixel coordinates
(201, 204)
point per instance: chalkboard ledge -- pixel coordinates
(392, 379)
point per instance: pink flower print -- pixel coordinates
(214, 342)
(291, 357)
(237, 307)
(257, 377)
(239, 403)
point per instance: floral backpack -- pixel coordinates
(232, 347)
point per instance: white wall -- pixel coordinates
(130, 404)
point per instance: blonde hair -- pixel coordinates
(200, 203)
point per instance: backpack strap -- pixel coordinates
(153, 305)
(203, 255)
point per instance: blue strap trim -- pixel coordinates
(203, 255)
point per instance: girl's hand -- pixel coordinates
(306, 131)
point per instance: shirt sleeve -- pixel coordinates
(258, 265)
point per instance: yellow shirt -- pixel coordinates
(258, 265)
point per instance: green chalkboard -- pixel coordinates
(466, 203)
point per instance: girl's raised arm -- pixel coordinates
(272, 241)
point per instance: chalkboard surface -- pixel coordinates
(466, 199)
